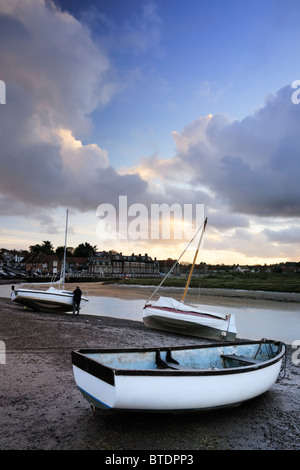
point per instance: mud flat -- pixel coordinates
(42, 409)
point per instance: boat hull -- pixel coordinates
(183, 389)
(51, 300)
(190, 323)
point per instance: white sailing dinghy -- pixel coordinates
(175, 379)
(50, 300)
(170, 315)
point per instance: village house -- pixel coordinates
(41, 264)
(113, 264)
(7, 257)
(166, 265)
(76, 265)
(139, 266)
(100, 264)
(290, 267)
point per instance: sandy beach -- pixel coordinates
(42, 409)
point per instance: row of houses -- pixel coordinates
(113, 264)
(100, 264)
(40, 263)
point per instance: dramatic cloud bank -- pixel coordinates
(249, 171)
(252, 165)
(57, 74)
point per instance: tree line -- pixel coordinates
(83, 250)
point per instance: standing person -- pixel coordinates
(76, 300)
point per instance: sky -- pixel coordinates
(182, 104)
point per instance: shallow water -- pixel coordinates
(252, 323)
(283, 325)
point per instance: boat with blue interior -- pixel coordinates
(190, 378)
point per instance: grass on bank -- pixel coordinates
(272, 282)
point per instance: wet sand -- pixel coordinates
(42, 409)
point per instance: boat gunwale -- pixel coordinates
(107, 373)
(187, 312)
(61, 293)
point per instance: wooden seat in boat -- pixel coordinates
(235, 357)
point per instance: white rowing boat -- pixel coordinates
(178, 378)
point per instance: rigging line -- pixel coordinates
(177, 261)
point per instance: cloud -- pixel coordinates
(253, 165)
(55, 81)
(137, 33)
(57, 73)
(142, 33)
(246, 172)
(56, 76)
(284, 236)
(51, 57)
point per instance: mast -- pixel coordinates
(176, 262)
(193, 265)
(65, 251)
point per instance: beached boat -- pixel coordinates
(51, 299)
(170, 315)
(179, 378)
